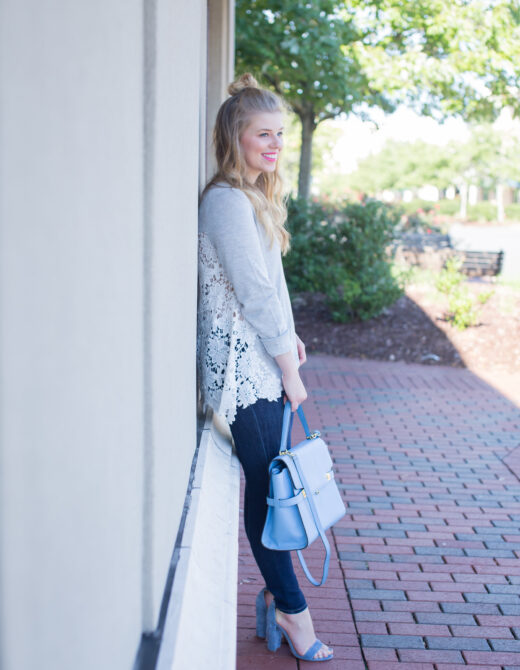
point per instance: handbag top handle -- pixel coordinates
(288, 416)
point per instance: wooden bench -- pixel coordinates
(481, 263)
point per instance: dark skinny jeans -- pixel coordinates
(257, 431)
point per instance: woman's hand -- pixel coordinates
(301, 350)
(294, 389)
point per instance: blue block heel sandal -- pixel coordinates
(261, 614)
(274, 639)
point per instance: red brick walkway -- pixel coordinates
(425, 572)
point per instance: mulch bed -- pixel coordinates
(415, 330)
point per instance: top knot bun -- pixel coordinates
(245, 81)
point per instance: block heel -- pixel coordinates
(273, 631)
(261, 614)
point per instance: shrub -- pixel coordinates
(341, 251)
(482, 211)
(424, 213)
(461, 309)
(450, 277)
(413, 206)
(513, 211)
(449, 207)
(484, 296)
(445, 207)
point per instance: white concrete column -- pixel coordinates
(71, 333)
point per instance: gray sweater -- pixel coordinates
(245, 315)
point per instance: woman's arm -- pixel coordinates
(291, 380)
(227, 217)
(301, 350)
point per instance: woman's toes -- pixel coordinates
(324, 652)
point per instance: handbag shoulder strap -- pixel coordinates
(285, 448)
(319, 527)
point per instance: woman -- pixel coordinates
(248, 352)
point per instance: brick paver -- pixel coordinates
(425, 573)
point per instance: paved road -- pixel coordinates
(425, 572)
(491, 238)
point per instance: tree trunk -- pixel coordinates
(304, 176)
(500, 202)
(463, 200)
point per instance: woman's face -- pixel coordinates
(261, 143)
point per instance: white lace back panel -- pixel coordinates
(234, 368)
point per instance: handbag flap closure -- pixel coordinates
(314, 459)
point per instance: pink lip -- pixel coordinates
(268, 158)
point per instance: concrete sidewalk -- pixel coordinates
(425, 572)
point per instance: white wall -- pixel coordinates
(71, 338)
(99, 167)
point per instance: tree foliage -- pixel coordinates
(401, 165)
(323, 162)
(443, 56)
(490, 156)
(488, 159)
(329, 57)
(303, 50)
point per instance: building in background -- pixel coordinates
(117, 515)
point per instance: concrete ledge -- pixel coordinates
(200, 625)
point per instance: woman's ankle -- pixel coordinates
(295, 618)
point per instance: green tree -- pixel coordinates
(443, 56)
(329, 57)
(401, 165)
(325, 138)
(301, 50)
(489, 159)
(380, 171)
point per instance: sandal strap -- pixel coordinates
(312, 651)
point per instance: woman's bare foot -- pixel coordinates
(300, 629)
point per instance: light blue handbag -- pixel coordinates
(303, 496)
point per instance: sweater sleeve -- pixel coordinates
(226, 216)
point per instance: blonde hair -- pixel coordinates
(266, 194)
